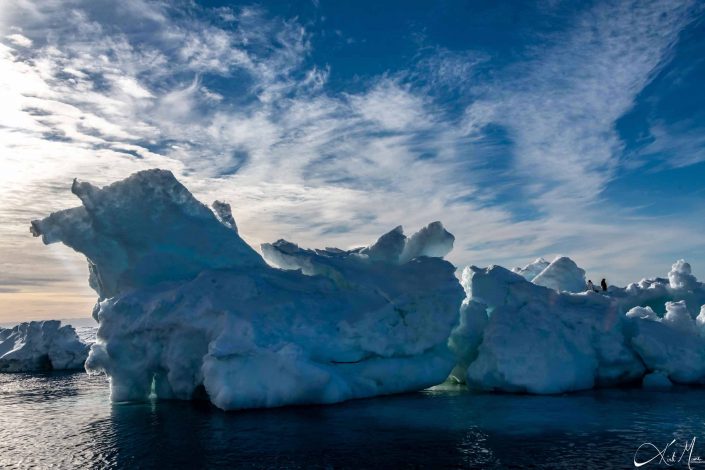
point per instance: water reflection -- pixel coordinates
(66, 420)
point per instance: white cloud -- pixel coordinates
(392, 107)
(562, 106)
(321, 168)
(19, 40)
(131, 86)
(682, 142)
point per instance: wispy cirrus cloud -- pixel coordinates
(229, 99)
(561, 106)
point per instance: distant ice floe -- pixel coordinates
(188, 310)
(41, 346)
(521, 336)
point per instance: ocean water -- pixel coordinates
(65, 420)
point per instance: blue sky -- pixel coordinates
(529, 128)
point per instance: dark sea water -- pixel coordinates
(65, 420)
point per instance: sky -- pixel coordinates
(528, 128)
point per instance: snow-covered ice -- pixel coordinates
(539, 340)
(515, 335)
(672, 344)
(144, 231)
(41, 345)
(187, 309)
(562, 274)
(531, 270)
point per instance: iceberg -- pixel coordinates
(41, 346)
(188, 310)
(519, 336)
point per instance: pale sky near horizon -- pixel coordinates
(530, 129)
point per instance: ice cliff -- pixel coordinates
(519, 336)
(41, 346)
(188, 310)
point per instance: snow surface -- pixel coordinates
(41, 345)
(187, 309)
(517, 336)
(531, 270)
(562, 275)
